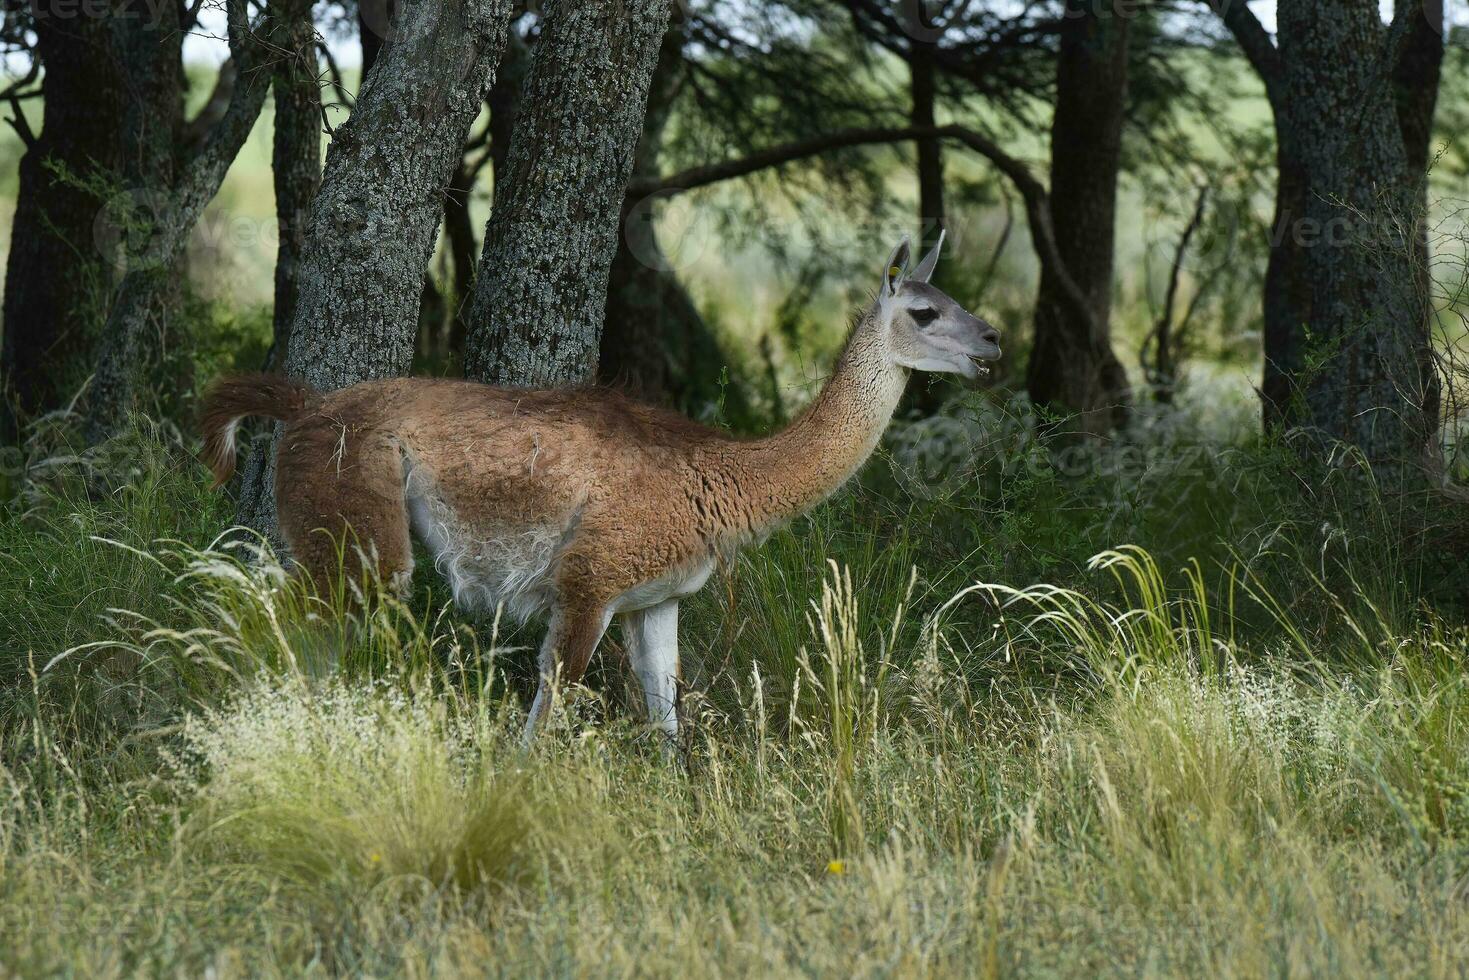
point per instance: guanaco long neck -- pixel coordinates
(786, 474)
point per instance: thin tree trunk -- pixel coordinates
(502, 101)
(1416, 78)
(459, 230)
(51, 318)
(541, 291)
(375, 219)
(1072, 365)
(295, 157)
(374, 27)
(926, 392)
(147, 43)
(931, 213)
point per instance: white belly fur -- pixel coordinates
(675, 585)
(512, 566)
(487, 568)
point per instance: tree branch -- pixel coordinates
(196, 129)
(1255, 42)
(1033, 193)
(215, 148)
(13, 95)
(776, 156)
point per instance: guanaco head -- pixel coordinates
(925, 329)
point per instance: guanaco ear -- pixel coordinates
(893, 273)
(924, 272)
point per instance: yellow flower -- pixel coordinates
(836, 867)
(376, 858)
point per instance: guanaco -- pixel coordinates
(580, 502)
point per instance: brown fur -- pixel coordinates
(231, 399)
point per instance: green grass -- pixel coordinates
(903, 757)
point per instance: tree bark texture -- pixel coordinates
(146, 41)
(57, 282)
(295, 156)
(1072, 366)
(180, 182)
(375, 219)
(1366, 377)
(541, 291)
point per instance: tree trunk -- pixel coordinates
(375, 219)
(57, 282)
(374, 27)
(180, 183)
(926, 392)
(1287, 288)
(931, 214)
(541, 292)
(1072, 366)
(459, 231)
(146, 42)
(1369, 380)
(503, 100)
(1416, 80)
(295, 157)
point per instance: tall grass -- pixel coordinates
(900, 764)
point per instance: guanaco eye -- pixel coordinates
(924, 317)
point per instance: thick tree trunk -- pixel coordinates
(541, 292)
(1072, 366)
(295, 157)
(180, 183)
(375, 219)
(1369, 381)
(57, 282)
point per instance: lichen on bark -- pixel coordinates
(537, 313)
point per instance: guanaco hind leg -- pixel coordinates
(570, 642)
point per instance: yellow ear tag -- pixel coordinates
(895, 272)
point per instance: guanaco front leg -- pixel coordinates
(570, 642)
(652, 642)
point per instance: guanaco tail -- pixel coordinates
(579, 503)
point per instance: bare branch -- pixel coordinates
(218, 103)
(1254, 41)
